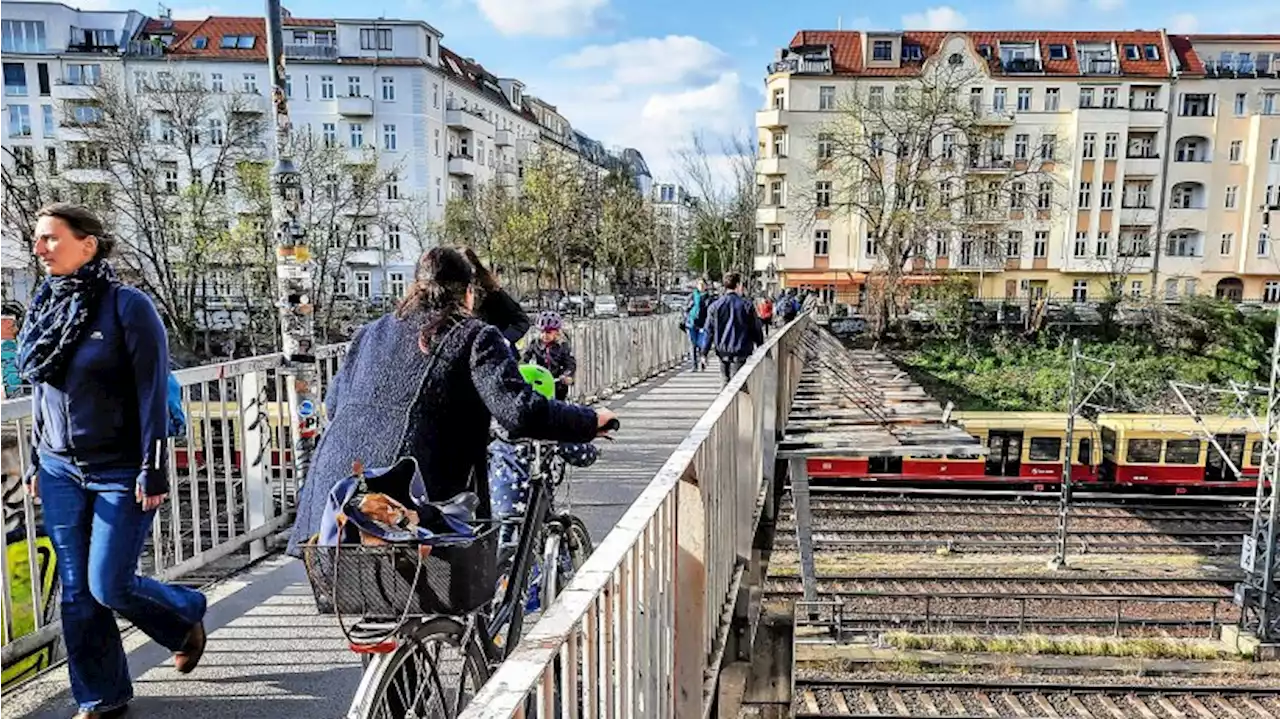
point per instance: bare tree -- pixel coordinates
(926, 176)
(723, 216)
(626, 229)
(29, 183)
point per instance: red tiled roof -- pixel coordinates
(213, 28)
(1188, 59)
(847, 49)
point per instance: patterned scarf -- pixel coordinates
(57, 318)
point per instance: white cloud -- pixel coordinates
(674, 59)
(943, 17)
(1184, 23)
(1108, 5)
(546, 18)
(1043, 8)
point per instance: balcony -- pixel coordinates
(467, 121)
(63, 90)
(1141, 165)
(1137, 216)
(355, 106)
(310, 52)
(503, 138)
(771, 215)
(801, 66)
(773, 117)
(1022, 66)
(363, 257)
(982, 165)
(252, 103)
(993, 117)
(771, 166)
(462, 165)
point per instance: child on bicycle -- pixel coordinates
(552, 352)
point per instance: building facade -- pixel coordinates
(1161, 161)
(438, 122)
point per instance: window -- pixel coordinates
(22, 35)
(1086, 97)
(375, 38)
(1143, 451)
(1235, 151)
(1058, 52)
(821, 243)
(1270, 293)
(1132, 52)
(218, 183)
(1182, 243)
(948, 145)
(822, 193)
(360, 234)
(1224, 245)
(364, 283)
(395, 281)
(237, 42)
(827, 97)
(1044, 196)
(1024, 99)
(353, 86)
(1269, 103)
(1013, 244)
(15, 79)
(1188, 150)
(1045, 449)
(19, 121)
(1230, 197)
(875, 96)
(1110, 97)
(901, 96)
(357, 134)
(1103, 246)
(1110, 148)
(877, 144)
(1242, 102)
(779, 144)
(826, 146)
(1275, 153)
(388, 88)
(1135, 289)
(1263, 245)
(330, 132)
(216, 134)
(169, 176)
(1021, 146)
(437, 138)
(871, 247)
(1152, 52)
(1105, 196)
(1149, 99)
(1081, 246)
(1137, 194)
(775, 193)
(326, 87)
(1051, 99)
(389, 137)
(779, 99)
(1048, 147)
(1040, 246)
(251, 83)
(1196, 105)
(882, 50)
(1182, 451)
(1017, 195)
(393, 186)
(997, 99)
(975, 100)
(1084, 199)
(1184, 197)
(84, 74)
(1087, 147)
(1080, 291)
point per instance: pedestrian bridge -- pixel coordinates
(670, 594)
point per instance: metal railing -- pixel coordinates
(642, 628)
(232, 480)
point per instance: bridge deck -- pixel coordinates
(271, 655)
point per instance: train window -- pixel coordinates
(1045, 449)
(1255, 454)
(1143, 451)
(1085, 454)
(1182, 451)
(1108, 443)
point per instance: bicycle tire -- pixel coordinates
(438, 656)
(568, 545)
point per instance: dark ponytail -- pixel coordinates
(439, 292)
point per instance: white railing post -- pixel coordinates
(255, 455)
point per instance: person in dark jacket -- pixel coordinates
(788, 306)
(96, 355)
(493, 305)
(425, 382)
(734, 327)
(695, 323)
(552, 352)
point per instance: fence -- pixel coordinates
(644, 625)
(232, 479)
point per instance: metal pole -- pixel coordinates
(1161, 201)
(1064, 499)
(293, 263)
(1261, 572)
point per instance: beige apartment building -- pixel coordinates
(1165, 179)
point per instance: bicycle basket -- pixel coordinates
(394, 581)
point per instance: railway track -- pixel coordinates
(880, 699)
(1127, 541)
(840, 586)
(837, 507)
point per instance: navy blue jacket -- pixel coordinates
(110, 408)
(556, 357)
(734, 326)
(390, 400)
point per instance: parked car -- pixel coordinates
(637, 306)
(605, 306)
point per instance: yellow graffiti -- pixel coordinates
(24, 616)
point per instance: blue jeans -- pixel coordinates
(98, 528)
(697, 340)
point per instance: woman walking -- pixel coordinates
(97, 358)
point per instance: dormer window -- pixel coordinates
(1132, 52)
(237, 42)
(200, 42)
(515, 96)
(912, 52)
(1153, 52)
(882, 50)
(1058, 52)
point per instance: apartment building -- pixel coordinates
(440, 122)
(1162, 157)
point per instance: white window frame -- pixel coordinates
(388, 88)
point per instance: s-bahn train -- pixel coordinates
(1120, 450)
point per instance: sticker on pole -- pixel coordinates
(1248, 552)
(306, 409)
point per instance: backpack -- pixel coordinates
(177, 426)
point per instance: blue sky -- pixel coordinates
(647, 73)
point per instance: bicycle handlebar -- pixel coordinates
(612, 425)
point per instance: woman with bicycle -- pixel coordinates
(425, 382)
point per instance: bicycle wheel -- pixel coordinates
(565, 550)
(434, 673)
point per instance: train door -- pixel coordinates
(884, 465)
(1004, 453)
(1216, 470)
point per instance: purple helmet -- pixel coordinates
(548, 321)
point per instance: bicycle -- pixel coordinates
(430, 664)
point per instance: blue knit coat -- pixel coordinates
(391, 400)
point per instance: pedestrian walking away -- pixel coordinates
(765, 310)
(788, 306)
(734, 327)
(695, 323)
(96, 355)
